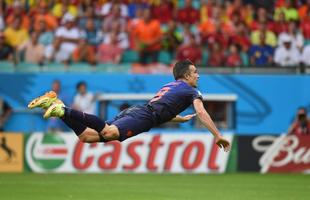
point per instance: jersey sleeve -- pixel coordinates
(195, 94)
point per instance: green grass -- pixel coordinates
(154, 186)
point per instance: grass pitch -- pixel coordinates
(154, 186)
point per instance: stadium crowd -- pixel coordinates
(208, 32)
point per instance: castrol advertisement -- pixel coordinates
(266, 153)
(156, 153)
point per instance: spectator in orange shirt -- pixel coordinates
(148, 38)
(84, 53)
(42, 13)
(18, 12)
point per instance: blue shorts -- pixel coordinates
(133, 120)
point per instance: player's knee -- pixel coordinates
(85, 138)
(110, 133)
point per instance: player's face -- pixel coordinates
(193, 76)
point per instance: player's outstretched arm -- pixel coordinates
(182, 119)
(208, 122)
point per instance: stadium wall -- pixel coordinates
(266, 103)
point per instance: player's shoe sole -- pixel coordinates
(55, 110)
(43, 101)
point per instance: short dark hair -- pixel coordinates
(181, 68)
(79, 84)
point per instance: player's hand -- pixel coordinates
(188, 117)
(222, 143)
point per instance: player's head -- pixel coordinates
(186, 70)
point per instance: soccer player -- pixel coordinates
(171, 99)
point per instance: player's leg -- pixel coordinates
(89, 128)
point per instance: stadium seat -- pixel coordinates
(164, 57)
(54, 67)
(6, 67)
(80, 67)
(28, 67)
(130, 56)
(113, 68)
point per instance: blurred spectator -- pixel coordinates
(66, 40)
(91, 33)
(164, 12)
(281, 25)
(134, 6)
(55, 124)
(18, 12)
(148, 38)
(84, 53)
(15, 35)
(305, 58)
(107, 8)
(191, 51)
(216, 55)
(64, 6)
(206, 9)
(6, 51)
(2, 24)
(270, 37)
(114, 17)
(301, 125)
(84, 101)
(287, 55)
(241, 38)
(303, 10)
(305, 27)
(171, 38)
(261, 54)
(293, 32)
(42, 14)
(5, 112)
(261, 16)
(289, 10)
(188, 14)
(233, 58)
(88, 15)
(32, 49)
(220, 35)
(46, 38)
(110, 52)
(121, 36)
(187, 33)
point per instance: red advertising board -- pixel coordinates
(175, 153)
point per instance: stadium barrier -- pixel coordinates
(11, 152)
(164, 153)
(270, 154)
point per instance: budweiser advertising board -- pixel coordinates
(175, 153)
(266, 153)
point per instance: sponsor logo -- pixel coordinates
(46, 152)
(195, 153)
(287, 153)
(11, 152)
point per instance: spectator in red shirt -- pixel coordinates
(188, 14)
(216, 55)
(164, 12)
(301, 125)
(233, 58)
(305, 26)
(110, 52)
(281, 25)
(191, 51)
